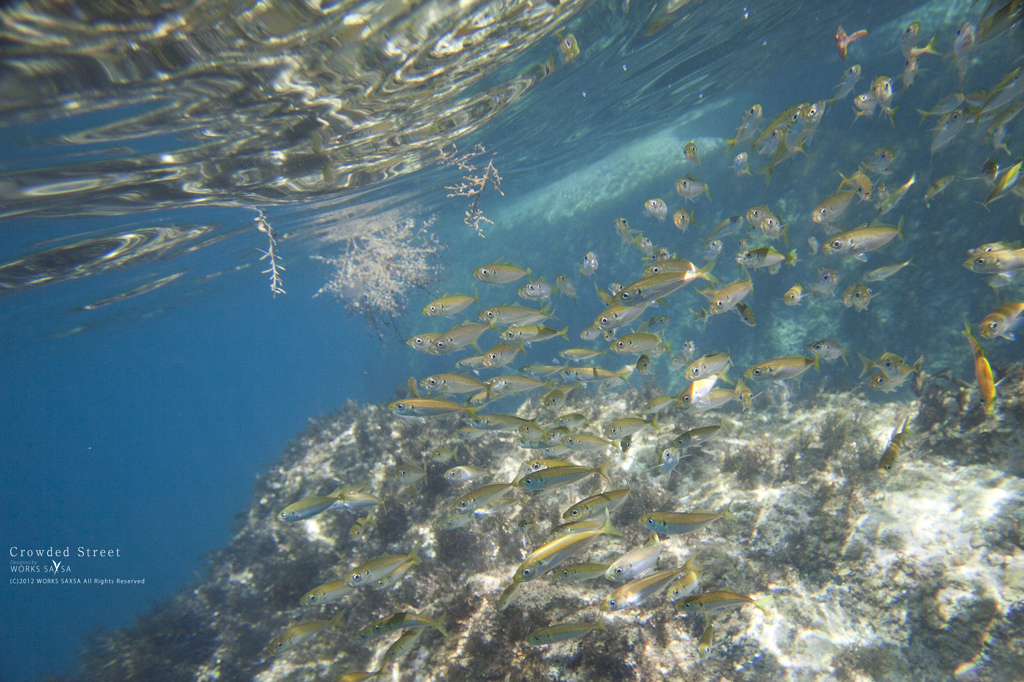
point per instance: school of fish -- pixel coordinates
(479, 393)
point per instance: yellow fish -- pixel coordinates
(499, 273)
(986, 382)
(888, 460)
(1002, 321)
(778, 369)
(570, 48)
(690, 151)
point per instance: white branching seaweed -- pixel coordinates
(275, 269)
(473, 183)
(377, 271)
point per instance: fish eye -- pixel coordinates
(624, 294)
(979, 261)
(757, 372)
(612, 603)
(605, 320)
(527, 572)
(433, 308)
(463, 504)
(719, 303)
(618, 571)
(357, 578)
(484, 271)
(620, 345)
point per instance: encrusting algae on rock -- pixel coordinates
(815, 525)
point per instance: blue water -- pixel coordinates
(144, 430)
(145, 436)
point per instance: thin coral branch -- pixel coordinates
(474, 182)
(275, 269)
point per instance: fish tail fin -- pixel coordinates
(817, 363)
(608, 528)
(763, 602)
(728, 513)
(899, 230)
(868, 365)
(602, 471)
(564, 333)
(842, 354)
(930, 48)
(705, 273)
(439, 624)
(730, 142)
(891, 113)
(654, 421)
(917, 365)
(791, 256)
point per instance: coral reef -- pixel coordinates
(918, 574)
